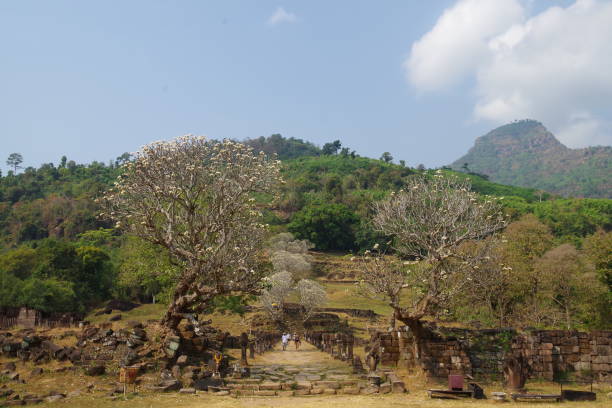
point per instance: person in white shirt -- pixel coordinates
(285, 340)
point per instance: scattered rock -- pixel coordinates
(204, 383)
(176, 371)
(182, 360)
(13, 403)
(54, 398)
(169, 385)
(133, 324)
(37, 371)
(9, 366)
(115, 318)
(95, 370)
(187, 391)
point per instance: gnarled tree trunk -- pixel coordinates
(187, 297)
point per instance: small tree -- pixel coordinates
(14, 160)
(273, 298)
(382, 276)
(429, 221)
(331, 148)
(567, 282)
(311, 296)
(195, 198)
(386, 157)
(297, 265)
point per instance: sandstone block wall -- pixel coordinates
(551, 354)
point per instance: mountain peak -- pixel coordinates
(524, 153)
(527, 135)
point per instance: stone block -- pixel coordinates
(266, 386)
(398, 387)
(328, 384)
(264, 393)
(349, 390)
(369, 390)
(243, 392)
(302, 391)
(385, 388)
(329, 391)
(303, 385)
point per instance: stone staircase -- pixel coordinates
(284, 380)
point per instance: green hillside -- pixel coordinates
(57, 255)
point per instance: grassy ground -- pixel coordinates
(415, 399)
(141, 313)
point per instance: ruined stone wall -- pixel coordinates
(551, 354)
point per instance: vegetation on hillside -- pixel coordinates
(49, 214)
(525, 153)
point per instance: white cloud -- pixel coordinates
(555, 66)
(281, 16)
(458, 41)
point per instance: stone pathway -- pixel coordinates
(306, 371)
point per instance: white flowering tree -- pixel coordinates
(194, 197)
(273, 298)
(429, 220)
(311, 296)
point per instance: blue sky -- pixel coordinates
(421, 79)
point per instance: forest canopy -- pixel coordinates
(57, 255)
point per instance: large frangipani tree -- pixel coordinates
(311, 295)
(280, 286)
(429, 220)
(194, 197)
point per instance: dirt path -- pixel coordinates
(307, 356)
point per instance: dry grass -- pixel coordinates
(141, 313)
(416, 399)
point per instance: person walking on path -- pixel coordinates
(285, 340)
(296, 339)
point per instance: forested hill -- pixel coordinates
(525, 153)
(56, 255)
(57, 201)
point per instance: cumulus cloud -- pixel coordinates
(458, 41)
(555, 66)
(281, 16)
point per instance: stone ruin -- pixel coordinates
(484, 354)
(185, 362)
